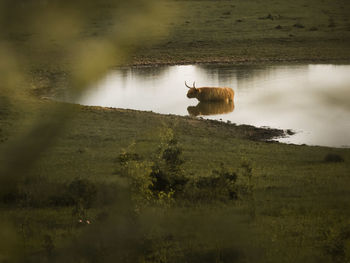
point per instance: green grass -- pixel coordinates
(210, 31)
(300, 202)
(299, 208)
(240, 31)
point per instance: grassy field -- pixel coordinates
(296, 211)
(241, 31)
(164, 188)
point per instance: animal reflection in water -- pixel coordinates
(210, 93)
(211, 108)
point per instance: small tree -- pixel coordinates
(82, 192)
(167, 171)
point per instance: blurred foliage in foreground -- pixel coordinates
(148, 213)
(131, 218)
(151, 209)
(56, 37)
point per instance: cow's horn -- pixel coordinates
(187, 85)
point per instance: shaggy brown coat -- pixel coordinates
(211, 94)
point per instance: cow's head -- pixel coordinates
(192, 92)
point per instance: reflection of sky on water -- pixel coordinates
(304, 98)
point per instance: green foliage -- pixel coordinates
(338, 244)
(48, 245)
(167, 171)
(333, 158)
(10, 247)
(172, 156)
(126, 157)
(37, 191)
(137, 173)
(246, 171)
(41, 42)
(158, 180)
(83, 194)
(51, 45)
(162, 179)
(219, 186)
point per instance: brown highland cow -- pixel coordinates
(210, 93)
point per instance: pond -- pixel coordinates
(311, 100)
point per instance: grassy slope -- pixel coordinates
(206, 31)
(232, 31)
(300, 200)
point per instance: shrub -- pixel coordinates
(166, 181)
(333, 158)
(298, 25)
(172, 157)
(137, 174)
(82, 192)
(38, 191)
(125, 157)
(220, 186)
(167, 172)
(162, 179)
(338, 245)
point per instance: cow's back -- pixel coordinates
(215, 94)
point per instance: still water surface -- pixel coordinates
(312, 100)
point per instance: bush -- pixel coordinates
(166, 181)
(220, 186)
(167, 172)
(37, 192)
(82, 192)
(338, 246)
(298, 25)
(125, 157)
(333, 158)
(163, 180)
